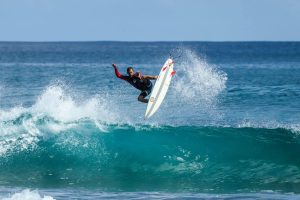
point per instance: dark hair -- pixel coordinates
(129, 68)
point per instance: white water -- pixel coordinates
(20, 128)
(198, 81)
(27, 195)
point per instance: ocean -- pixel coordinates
(229, 127)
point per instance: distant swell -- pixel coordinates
(125, 157)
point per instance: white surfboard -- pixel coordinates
(160, 88)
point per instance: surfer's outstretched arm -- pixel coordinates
(118, 74)
(150, 77)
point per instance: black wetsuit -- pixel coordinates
(137, 81)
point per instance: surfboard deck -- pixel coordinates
(160, 88)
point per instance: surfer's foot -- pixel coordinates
(142, 99)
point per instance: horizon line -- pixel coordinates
(143, 41)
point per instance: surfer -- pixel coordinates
(137, 80)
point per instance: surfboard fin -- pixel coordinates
(173, 73)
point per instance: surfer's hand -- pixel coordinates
(114, 65)
(140, 75)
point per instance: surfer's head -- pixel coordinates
(130, 71)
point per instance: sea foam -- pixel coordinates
(198, 81)
(28, 195)
(54, 111)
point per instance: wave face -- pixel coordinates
(143, 157)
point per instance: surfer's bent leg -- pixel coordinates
(145, 93)
(142, 96)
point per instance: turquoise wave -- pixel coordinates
(148, 158)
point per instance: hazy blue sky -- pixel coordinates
(149, 20)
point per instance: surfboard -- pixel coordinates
(160, 88)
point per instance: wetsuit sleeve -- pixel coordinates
(119, 75)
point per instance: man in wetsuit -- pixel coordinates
(138, 81)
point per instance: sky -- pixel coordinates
(149, 20)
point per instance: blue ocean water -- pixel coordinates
(228, 128)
